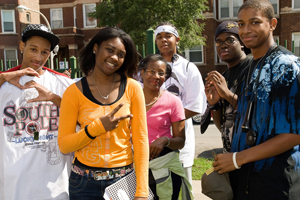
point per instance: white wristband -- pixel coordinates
(234, 161)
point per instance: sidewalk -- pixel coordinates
(198, 191)
(205, 144)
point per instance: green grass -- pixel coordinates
(200, 166)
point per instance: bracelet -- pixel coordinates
(234, 161)
(168, 141)
(87, 133)
(213, 107)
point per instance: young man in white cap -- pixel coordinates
(220, 87)
(186, 83)
(32, 165)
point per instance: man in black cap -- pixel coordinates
(219, 88)
(32, 165)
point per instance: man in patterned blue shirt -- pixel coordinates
(264, 162)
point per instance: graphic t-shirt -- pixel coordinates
(32, 166)
(233, 76)
(274, 89)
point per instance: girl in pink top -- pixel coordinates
(164, 110)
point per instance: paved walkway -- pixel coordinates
(205, 143)
(198, 191)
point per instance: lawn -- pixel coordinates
(200, 166)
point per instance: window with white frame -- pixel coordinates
(88, 21)
(56, 17)
(275, 5)
(296, 39)
(74, 16)
(8, 21)
(229, 8)
(296, 4)
(10, 57)
(28, 17)
(194, 54)
(214, 8)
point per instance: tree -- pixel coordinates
(137, 16)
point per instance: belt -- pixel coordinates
(102, 174)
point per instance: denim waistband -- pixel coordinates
(102, 174)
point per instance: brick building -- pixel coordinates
(68, 19)
(11, 24)
(288, 28)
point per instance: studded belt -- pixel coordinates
(104, 173)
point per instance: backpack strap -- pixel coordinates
(187, 66)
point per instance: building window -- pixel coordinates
(275, 6)
(229, 8)
(194, 54)
(296, 4)
(89, 21)
(74, 16)
(56, 18)
(8, 21)
(296, 39)
(215, 11)
(10, 56)
(28, 17)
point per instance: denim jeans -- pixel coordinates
(86, 188)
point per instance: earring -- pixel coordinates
(93, 52)
(22, 52)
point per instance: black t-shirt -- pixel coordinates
(233, 76)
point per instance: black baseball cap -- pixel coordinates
(42, 31)
(228, 27)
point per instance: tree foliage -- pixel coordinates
(137, 16)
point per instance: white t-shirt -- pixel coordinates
(186, 83)
(32, 169)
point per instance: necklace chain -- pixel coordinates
(104, 97)
(250, 67)
(153, 102)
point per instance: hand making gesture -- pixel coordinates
(111, 122)
(215, 86)
(14, 77)
(44, 94)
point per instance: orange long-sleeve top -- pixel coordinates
(109, 149)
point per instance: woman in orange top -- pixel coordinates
(108, 105)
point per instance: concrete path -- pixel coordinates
(205, 144)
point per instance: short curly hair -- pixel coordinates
(260, 5)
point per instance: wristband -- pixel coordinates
(87, 133)
(213, 107)
(234, 161)
(168, 141)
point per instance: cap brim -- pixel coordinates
(53, 39)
